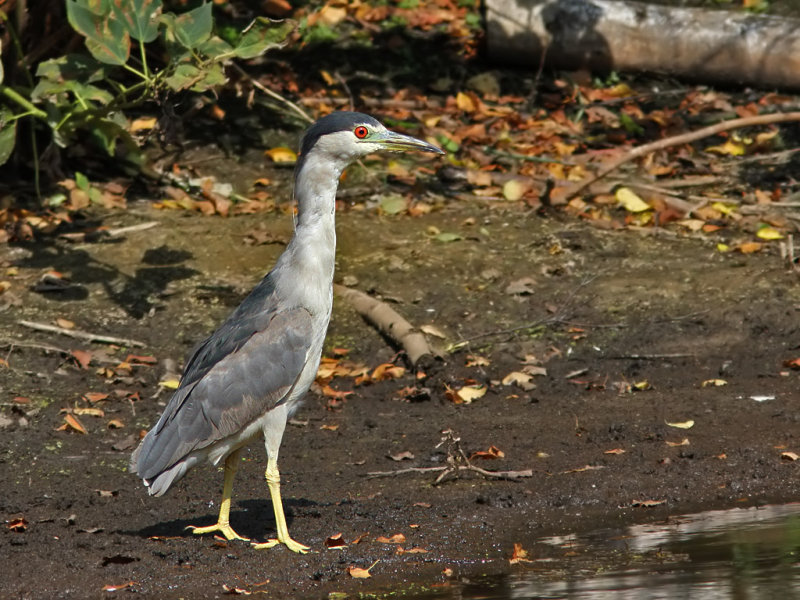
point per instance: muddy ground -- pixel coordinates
(611, 311)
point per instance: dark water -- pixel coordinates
(738, 554)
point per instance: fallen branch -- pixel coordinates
(684, 138)
(457, 461)
(510, 475)
(389, 322)
(82, 335)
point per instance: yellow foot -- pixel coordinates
(288, 542)
(224, 529)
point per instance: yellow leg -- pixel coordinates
(223, 524)
(274, 483)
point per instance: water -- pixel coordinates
(738, 554)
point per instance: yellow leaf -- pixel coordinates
(464, 102)
(332, 15)
(681, 425)
(630, 201)
(714, 383)
(723, 247)
(170, 384)
(468, 393)
(769, 233)
(143, 124)
(621, 90)
(725, 209)
(730, 147)
(281, 154)
(92, 412)
(514, 189)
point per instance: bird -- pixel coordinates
(249, 376)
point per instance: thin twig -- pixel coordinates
(274, 95)
(558, 317)
(131, 228)
(457, 461)
(677, 140)
(82, 335)
(510, 475)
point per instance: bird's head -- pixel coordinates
(342, 137)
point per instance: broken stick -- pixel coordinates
(82, 335)
(389, 322)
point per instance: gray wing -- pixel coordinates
(243, 370)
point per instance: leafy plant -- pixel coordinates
(136, 53)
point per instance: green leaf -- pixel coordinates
(72, 66)
(107, 131)
(446, 237)
(263, 34)
(214, 47)
(8, 137)
(98, 7)
(82, 181)
(106, 38)
(213, 76)
(139, 17)
(191, 28)
(184, 77)
(393, 205)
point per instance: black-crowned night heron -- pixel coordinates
(249, 376)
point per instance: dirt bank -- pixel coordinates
(618, 331)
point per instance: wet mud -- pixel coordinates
(623, 328)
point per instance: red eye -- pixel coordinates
(361, 132)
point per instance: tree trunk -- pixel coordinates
(605, 35)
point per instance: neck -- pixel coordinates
(312, 250)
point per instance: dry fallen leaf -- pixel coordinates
(789, 456)
(19, 524)
(683, 442)
(397, 538)
(681, 425)
(479, 361)
(628, 199)
(520, 379)
(335, 542)
(402, 456)
(281, 154)
(82, 357)
(359, 573)
(121, 586)
(468, 393)
(647, 503)
(713, 383)
(519, 555)
(615, 451)
(432, 330)
(492, 453)
(71, 422)
(92, 412)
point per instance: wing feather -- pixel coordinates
(243, 370)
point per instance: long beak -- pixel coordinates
(399, 142)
